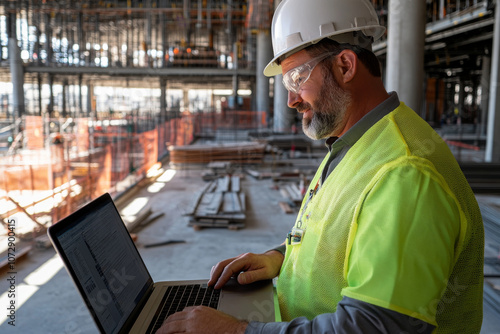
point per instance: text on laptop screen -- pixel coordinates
(107, 265)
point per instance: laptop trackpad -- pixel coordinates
(251, 302)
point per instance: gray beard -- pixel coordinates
(333, 102)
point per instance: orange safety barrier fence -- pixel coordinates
(70, 168)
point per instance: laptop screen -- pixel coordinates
(103, 261)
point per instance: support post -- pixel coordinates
(405, 50)
(283, 117)
(50, 108)
(65, 98)
(40, 83)
(493, 132)
(90, 93)
(264, 55)
(485, 92)
(16, 70)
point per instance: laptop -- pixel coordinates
(110, 275)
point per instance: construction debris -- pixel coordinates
(6, 259)
(291, 192)
(491, 220)
(285, 207)
(259, 175)
(241, 153)
(220, 204)
(164, 243)
(484, 178)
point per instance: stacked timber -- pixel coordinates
(241, 153)
(484, 178)
(220, 204)
(491, 220)
(292, 196)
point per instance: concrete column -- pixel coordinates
(16, 68)
(17, 77)
(48, 39)
(284, 117)
(90, 96)
(185, 99)
(250, 49)
(461, 97)
(149, 32)
(235, 91)
(253, 88)
(485, 93)
(163, 97)
(164, 37)
(235, 76)
(81, 43)
(64, 98)
(50, 108)
(405, 50)
(441, 9)
(493, 131)
(40, 83)
(161, 127)
(80, 96)
(264, 56)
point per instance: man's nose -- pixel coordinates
(294, 99)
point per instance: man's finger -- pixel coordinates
(171, 327)
(217, 271)
(251, 276)
(232, 269)
(176, 317)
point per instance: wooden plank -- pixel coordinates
(231, 203)
(243, 201)
(253, 173)
(232, 217)
(211, 188)
(22, 209)
(215, 203)
(285, 207)
(239, 153)
(197, 226)
(294, 192)
(209, 204)
(223, 184)
(285, 194)
(198, 199)
(21, 254)
(219, 165)
(235, 184)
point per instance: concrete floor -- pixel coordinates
(55, 305)
(49, 303)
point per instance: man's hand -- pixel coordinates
(247, 267)
(202, 320)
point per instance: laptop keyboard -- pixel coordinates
(178, 297)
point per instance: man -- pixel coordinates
(389, 238)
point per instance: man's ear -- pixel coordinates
(347, 62)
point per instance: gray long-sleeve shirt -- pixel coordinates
(352, 316)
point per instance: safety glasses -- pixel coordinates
(293, 79)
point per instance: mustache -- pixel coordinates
(303, 106)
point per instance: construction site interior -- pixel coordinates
(162, 104)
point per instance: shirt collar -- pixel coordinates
(367, 121)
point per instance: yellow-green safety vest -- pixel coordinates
(395, 225)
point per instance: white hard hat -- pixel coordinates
(297, 24)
